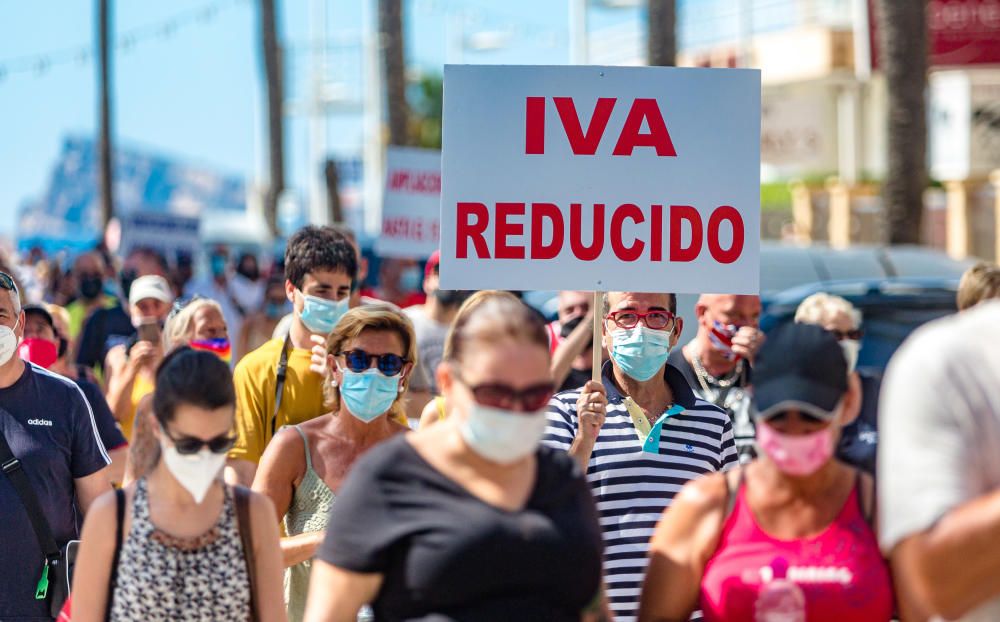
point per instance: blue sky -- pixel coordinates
(194, 93)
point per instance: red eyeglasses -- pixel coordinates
(505, 397)
(655, 320)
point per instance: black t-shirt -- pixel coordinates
(111, 436)
(447, 556)
(859, 441)
(576, 379)
(105, 329)
(46, 421)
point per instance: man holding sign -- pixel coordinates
(639, 434)
(599, 178)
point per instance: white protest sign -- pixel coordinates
(164, 232)
(411, 206)
(601, 178)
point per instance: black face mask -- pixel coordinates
(127, 277)
(90, 287)
(451, 297)
(250, 271)
(569, 326)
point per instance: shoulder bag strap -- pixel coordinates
(866, 497)
(242, 497)
(14, 471)
(119, 533)
(279, 388)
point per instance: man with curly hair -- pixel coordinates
(274, 385)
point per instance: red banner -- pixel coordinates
(961, 32)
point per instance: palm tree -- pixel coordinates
(902, 28)
(390, 19)
(662, 38)
(271, 53)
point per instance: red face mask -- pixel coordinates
(39, 351)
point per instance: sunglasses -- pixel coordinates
(179, 306)
(189, 445)
(358, 361)
(855, 334)
(654, 320)
(505, 397)
(7, 282)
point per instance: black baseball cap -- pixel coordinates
(42, 311)
(800, 367)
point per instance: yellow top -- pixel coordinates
(140, 389)
(78, 314)
(256, 380)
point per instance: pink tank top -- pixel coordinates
(841, 572)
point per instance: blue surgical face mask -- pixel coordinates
(412, 279)
(274, 310)
(321, 315)
(640, 352)
(369, 394)
(218, 264)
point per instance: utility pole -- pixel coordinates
(105, 146)
(578, 51)
(272, 57)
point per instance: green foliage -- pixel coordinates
(426, 104)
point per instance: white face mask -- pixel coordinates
(8, 343)
(851, 347)
(503, 436)
(195, 472)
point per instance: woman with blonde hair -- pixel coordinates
(200, 325)
(369, 358)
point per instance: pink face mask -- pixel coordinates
(796, 455)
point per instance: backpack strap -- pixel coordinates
(13, 469)
(119, 533)
(242, 498)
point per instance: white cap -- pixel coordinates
(150, 286)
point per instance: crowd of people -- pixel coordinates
(284, 443)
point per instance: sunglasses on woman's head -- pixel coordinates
(358, 361)
(189, 445)
(505, 397)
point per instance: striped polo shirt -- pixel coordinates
(632, 488)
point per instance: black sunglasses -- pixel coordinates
(358, 361)
(179, 306)
(505, 397)
(7, 282)
(855, 334)
(188, 445)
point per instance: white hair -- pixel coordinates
(822, 307)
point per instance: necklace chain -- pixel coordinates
(705, 378)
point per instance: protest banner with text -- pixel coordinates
(411, 203)
(598, 178)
